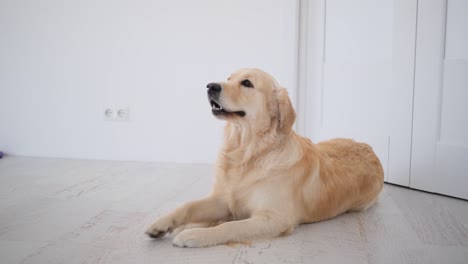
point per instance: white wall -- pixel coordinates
(63, 62)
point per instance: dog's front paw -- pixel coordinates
(194, 237)
(161, 227)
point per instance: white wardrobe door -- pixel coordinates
(440, 134)
(367, 80)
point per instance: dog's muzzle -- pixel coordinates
(214, 91)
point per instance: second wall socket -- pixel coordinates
(116, 113)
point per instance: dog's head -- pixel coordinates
(252, 97)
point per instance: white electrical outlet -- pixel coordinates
(116, 114)
(123, 114)
(109, 114)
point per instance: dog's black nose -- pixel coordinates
(214, 87)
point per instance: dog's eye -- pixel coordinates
(247, 83)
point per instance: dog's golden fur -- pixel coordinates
(268, 178)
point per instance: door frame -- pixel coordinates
(310, 57)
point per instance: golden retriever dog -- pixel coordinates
(268, 178)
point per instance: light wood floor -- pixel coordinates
(76, 211)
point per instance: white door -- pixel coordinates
(440, 133)
(364, 51)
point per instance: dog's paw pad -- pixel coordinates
(157, 233)
(190, 238)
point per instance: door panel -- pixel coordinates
(454, 122)
(350, 36)
(451, 170)
(457, 33)
(367, 80)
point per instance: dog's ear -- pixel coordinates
(286, 114)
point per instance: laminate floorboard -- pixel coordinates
(82, 211)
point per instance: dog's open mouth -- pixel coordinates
(217, 109)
